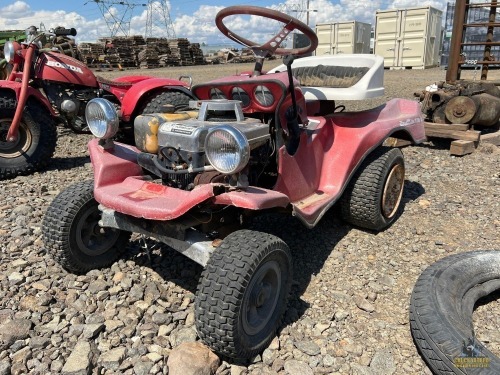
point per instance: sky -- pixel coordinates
(191, 19)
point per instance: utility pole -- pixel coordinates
(116, 23)
(158, 18)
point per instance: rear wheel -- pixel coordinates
(243, 293)
(372, 197)
(158, 103)
(72, 234)
(35, 143)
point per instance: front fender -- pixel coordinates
(132, 98)
(15, 87)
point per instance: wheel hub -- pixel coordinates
(393, 191)
(261, 298)
(93, 239)
(17, 147)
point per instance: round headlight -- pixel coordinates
(8, 51)
(227, 149)
(102, 118)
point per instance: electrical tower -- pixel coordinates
(117, 21)
(158, 23)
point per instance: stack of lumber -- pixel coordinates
(180, 50)
(196, 54)
(148, 58)
(90, 52)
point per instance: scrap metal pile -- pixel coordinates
(464, 102)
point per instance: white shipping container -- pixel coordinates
(343, 37)
(408, 38)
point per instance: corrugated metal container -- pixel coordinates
(409, 38)
(343, 37)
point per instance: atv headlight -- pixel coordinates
(101, 118)
(227, 149)
(9, 51)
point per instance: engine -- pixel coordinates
(70, 102)
(216, 143)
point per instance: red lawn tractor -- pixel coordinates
(253, 143)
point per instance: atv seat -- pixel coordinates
(122, 84)
(339, 77)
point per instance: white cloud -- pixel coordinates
(200, 25)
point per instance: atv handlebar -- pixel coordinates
(71, 31)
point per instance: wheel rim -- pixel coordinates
(20, 146)
(91, 238)
(261, 298)
(393, 190)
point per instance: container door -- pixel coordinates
(386, 37)
(325, 39)
(345, 38)
(414, 28)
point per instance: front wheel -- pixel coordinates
(372, 197)
(35, 143)
(243, 293)
(72, 234)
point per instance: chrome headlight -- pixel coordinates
(8, 51)
(102, 118)
(227, 149)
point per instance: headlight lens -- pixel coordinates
(8, 51)
(102, 118)
(227, 149)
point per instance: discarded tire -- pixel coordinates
(441, 309)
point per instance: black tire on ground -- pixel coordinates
(72, 235)
(36, 142)
(243, 293)
(372, 197)
(155, 104)
(441, 309)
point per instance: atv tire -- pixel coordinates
(36, 141)
(72, 234)
(157, 103)
(441, 309)
(243, 293)
(372, 197)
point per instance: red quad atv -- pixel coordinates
(46, 88)
(194, 181)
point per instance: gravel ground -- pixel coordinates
(349, 309)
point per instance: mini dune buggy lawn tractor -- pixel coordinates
(254, 143)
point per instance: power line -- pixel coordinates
(117, 22)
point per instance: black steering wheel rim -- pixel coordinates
(290, 22)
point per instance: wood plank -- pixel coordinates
(460, 147)
(493, 138)
(460, 127)
(396, 142)
(469, 135)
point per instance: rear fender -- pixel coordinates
(142, 90)
(331, 151)
(13, 87)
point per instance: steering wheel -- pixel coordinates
(271, 46)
